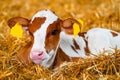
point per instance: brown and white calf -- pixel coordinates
(53, 42)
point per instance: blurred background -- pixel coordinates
(95, 13)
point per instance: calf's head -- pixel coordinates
(45, 28)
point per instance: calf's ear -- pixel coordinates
(67, 25)
(22, 21)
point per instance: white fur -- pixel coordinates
(40, 35)
(101, 39)
(66, 41)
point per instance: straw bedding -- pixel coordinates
(94, 13)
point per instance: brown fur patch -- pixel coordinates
(75, 44)
(114, 34)
(51, 40)
(36, 24)
(74, 49)
(59, 59)
(82, 34)
(87, 51)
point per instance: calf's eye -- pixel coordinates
(54, 32)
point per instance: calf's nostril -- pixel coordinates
(40, 53)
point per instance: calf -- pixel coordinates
(52, 40)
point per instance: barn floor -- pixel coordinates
(94, 13)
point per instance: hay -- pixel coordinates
(95, 13)
(99, 68)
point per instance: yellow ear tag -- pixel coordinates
(76, 27)
(17, 30)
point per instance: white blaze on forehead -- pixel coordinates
(40, 34)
